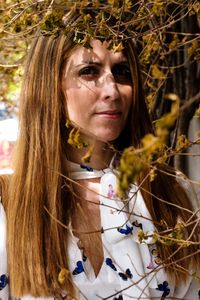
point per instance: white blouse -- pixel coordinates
(130, 269)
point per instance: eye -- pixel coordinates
(122, 73)
(89, 72)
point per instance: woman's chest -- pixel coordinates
(86, 222)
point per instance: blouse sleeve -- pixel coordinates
(4, 288)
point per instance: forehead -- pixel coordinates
(98, 52)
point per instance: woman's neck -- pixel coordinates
(100, 158)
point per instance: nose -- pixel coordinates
(109, 87)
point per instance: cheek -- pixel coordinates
(78, 104)
(72, 104)
(80, 98)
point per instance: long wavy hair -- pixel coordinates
(37, 244)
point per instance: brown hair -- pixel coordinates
(37, 245)
(36, 182)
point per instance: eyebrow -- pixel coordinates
(92, 62)
(124, 62)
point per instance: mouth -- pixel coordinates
(110, 114)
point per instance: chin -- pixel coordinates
(110, 137)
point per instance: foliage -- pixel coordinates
(151, 23)
(168, 43)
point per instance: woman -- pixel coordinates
(65, 236)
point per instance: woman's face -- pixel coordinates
(98, 88)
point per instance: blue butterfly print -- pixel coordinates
(164, 288)
(3, 281)
(126, 275)
(110, 263)
(136, 224)
(125, 231)
(87, 168)
(118, 298)
(79, 268)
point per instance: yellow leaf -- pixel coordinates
(192, 49)
(156, 72)
(68, 123)
(150, 100)
(86, 158)
(63, 276)
(174, 42)
(168, 120)
(152, 175)
(162, 132)
(151, 143)
(117, 47)
(141, 236)
(182, 143)
(75, 139)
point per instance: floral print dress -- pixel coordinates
(131, 268)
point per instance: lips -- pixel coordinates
(110, 114)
